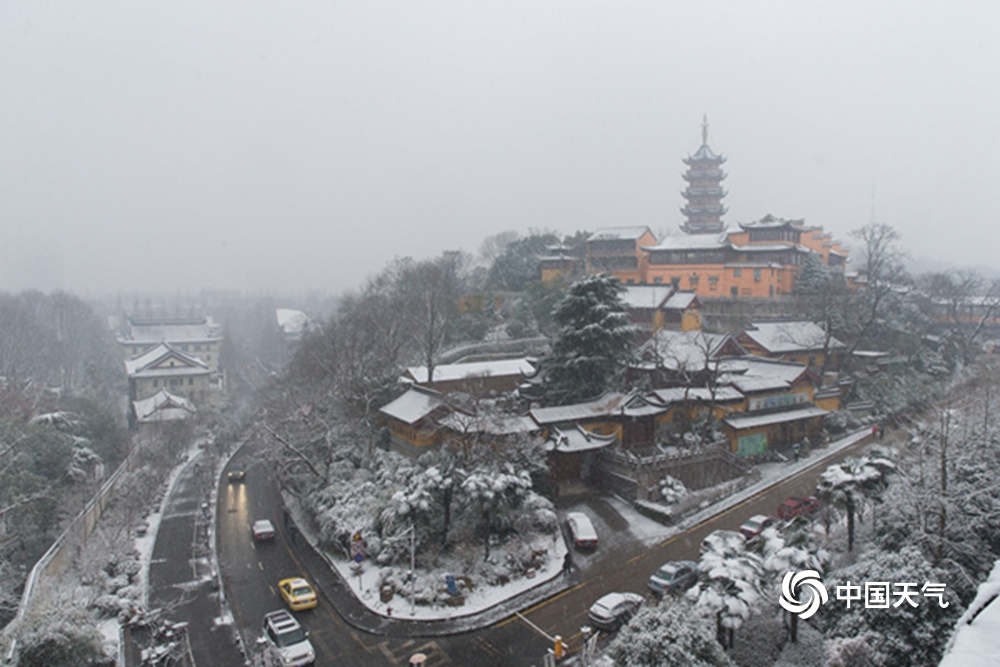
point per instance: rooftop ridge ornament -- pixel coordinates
(704, 130)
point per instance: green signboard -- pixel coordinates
(749, 445)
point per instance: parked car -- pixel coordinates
(581, 530)
(673, 577)
(237, 476)
(756, 524)
(284, 633)
(614, 610)
(723, 541)
(297, 593)
(263, 530)
(793, 507)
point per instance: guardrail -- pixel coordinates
(53, 562)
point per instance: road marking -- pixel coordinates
(260, 565)
(639, 557)
(543, 603)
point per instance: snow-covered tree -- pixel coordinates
(851, 484)
(903, 634)
(729, 586)
(593, 343)
(667, 635)
(793, 550)
(59, 637)
(495, 492)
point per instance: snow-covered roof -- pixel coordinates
(163, 360)
(291, 321)
(491, 424)
(790, 336)
(683, 350)
(680, 301)
(576, 439)
(675, 395)
(692, 242)
(753, 421)
(750, 374)
(646, 296)
(619, 233)
(604, 406)
(447, 372)
(414, 404)
(974, 643)
(175, 331)
(770, 222)
(163, 406)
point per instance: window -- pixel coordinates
(713, 283)
(756, 275)
(190, 381)
(734, 292)
(156, 383)
(675, 282)
(658, 279)
(693, 280)
(737, 273)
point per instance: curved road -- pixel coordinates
(250, 572)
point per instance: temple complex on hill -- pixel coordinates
(760, 259)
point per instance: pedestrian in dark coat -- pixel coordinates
(568, 563)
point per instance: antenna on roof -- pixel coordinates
(704, 130)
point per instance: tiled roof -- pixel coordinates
(792, 336)
(414, 404)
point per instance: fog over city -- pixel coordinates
(290, 146)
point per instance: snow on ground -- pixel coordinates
(974, 643)
(476, 600)
(644, 529)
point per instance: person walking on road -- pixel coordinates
(568, 563)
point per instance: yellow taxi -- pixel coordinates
(297, 593)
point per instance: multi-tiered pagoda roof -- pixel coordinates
(704, 193)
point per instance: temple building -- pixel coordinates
(759, 260)
(704, 193)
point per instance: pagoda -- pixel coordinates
(704, 193)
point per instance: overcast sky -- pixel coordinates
(297, 145)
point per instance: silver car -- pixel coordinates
(614, 610)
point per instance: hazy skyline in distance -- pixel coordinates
(294, 146)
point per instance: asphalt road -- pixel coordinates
(250, 572)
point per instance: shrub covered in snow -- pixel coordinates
(667, 635)
(672, 490)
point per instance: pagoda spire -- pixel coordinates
(704, 192)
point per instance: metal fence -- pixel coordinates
(59, 556)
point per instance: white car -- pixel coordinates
(262, 530)
(286, 636)
(581, 530)
(614, 610)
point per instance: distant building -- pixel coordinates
(198, 336)
(475, 377)
(655, 307)
(617, 251)
(166, 367)
(293, 324)
(161, 407)
(760, 259)
(797, 341)
(704, 193)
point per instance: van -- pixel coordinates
(289, 639)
